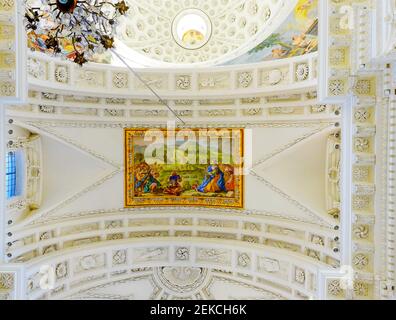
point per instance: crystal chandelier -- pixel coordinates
(88, 25)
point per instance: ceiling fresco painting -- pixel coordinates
(296, 36)
(189, 167)
(36, 42)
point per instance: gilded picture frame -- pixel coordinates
(184, 167)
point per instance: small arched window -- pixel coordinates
(11, 175)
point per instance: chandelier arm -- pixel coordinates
(74, 43)
(146, 85)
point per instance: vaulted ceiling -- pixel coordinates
(315, 189)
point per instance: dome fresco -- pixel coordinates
(234, 26)
(161, 33)
(151, 30)
(297, 35)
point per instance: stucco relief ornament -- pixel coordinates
(113, 112)
(363, 87)
(361, 231)
(91, 78)
(182, 253)
(61, 74)
(275, 76)
(50, 95)
(7, 89)
(45, 236)
(266, 13)
(155, 113)
(252, 8)
(213, 255)
(113, 224)
(88, 262)
(302, 72)
(360, 261)
(269, 265)
(7, 4)
(245, 79)
(282, 110)
(334, 287)
(362, 115)
(19, 204)
(362, 144)
(313, 254)
(317, 240)
(215, 113)
(336, 87)
(120, 80)
(253, 111)
(87, 25)
(180, 279)
(183, 82)
(243, 260)
(318, 109)
(300, 276)
(119, 257)
(360, 288)
(6, 280)
(208, 82)
(115, 101)
(184, 113)
(35, 68)
(115, 236)
(49, 249)
(360, 202)
(337, 56)
(61, 270)
(360, 173)
(253, 29)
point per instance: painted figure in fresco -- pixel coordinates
(279, 52)
(213, 181)
(304, 8)
(229, 177)
(174, 187)
(296, 36)
(145, 179)
(37, 42)
(305, 43)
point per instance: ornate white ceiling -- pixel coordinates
(164, 32)
(106, 251)
(177, 283)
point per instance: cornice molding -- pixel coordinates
(206, 253)
(267, 78)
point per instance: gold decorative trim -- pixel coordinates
(133, 200)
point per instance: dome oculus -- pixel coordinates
(191, 29)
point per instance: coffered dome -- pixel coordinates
(197, 31)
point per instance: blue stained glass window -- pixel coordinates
(11, 175)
